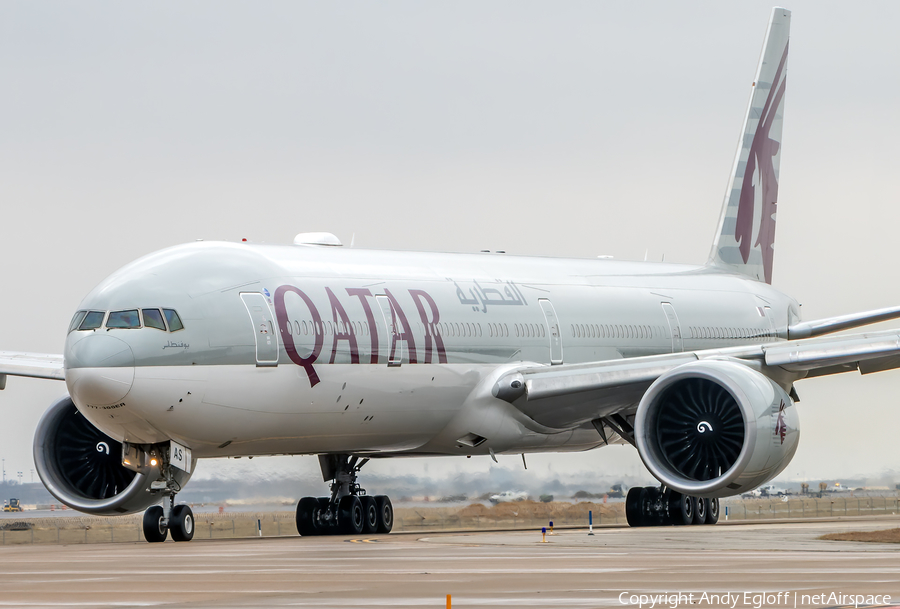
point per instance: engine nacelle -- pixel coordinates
(82, 467)
(715, 428)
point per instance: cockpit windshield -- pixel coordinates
(173, 319)
(76, 321)
(153, 319)
(93, 320)
(124, 319)
(160, 319)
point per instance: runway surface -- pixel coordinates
(478, 569)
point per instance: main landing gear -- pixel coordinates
(349, 510)
(650, 506)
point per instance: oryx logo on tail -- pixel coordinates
(746, 238)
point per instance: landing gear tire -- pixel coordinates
(154, 530)
(370, 514)
(634, 506)
(182, 523)
(701, 509)
(682, 508)
(350, 515)
(385, 513)
(712, 511)
(308, 517)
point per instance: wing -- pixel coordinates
(35, 365)
(569, 395)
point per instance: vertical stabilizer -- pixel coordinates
(746, 237)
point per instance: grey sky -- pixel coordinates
(562, 128)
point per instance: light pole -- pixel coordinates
(19, 476)
(32, 476)
(3, 466)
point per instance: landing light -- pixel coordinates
(153, 462)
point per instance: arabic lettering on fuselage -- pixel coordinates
(176, 345)
(479, 297)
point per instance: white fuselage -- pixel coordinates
(302, 350)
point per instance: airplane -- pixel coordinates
(221, 349)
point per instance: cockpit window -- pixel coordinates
(153, 319)
(173, 319)
(92, 320)
(124, 319)
(76, 321)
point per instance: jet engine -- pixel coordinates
(715, 428)
(82, 467)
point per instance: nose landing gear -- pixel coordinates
(160, 520)
(349, 510)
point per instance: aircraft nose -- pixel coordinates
(99, 370)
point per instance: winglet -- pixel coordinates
(746, 233)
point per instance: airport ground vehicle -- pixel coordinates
(12, 505)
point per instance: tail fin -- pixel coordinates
(746, 236)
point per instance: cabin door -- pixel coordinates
(263, 327)
(674, 327)
(556, 353)
(396, 347)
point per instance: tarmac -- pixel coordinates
(612, 568)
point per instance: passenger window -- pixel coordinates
(93, 320)
(76, 321)
(124, 319)
(173, 320)
(296, 325)
(153, 319)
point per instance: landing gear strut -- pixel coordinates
(349, 510)
(160, 520)
(651, 506)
